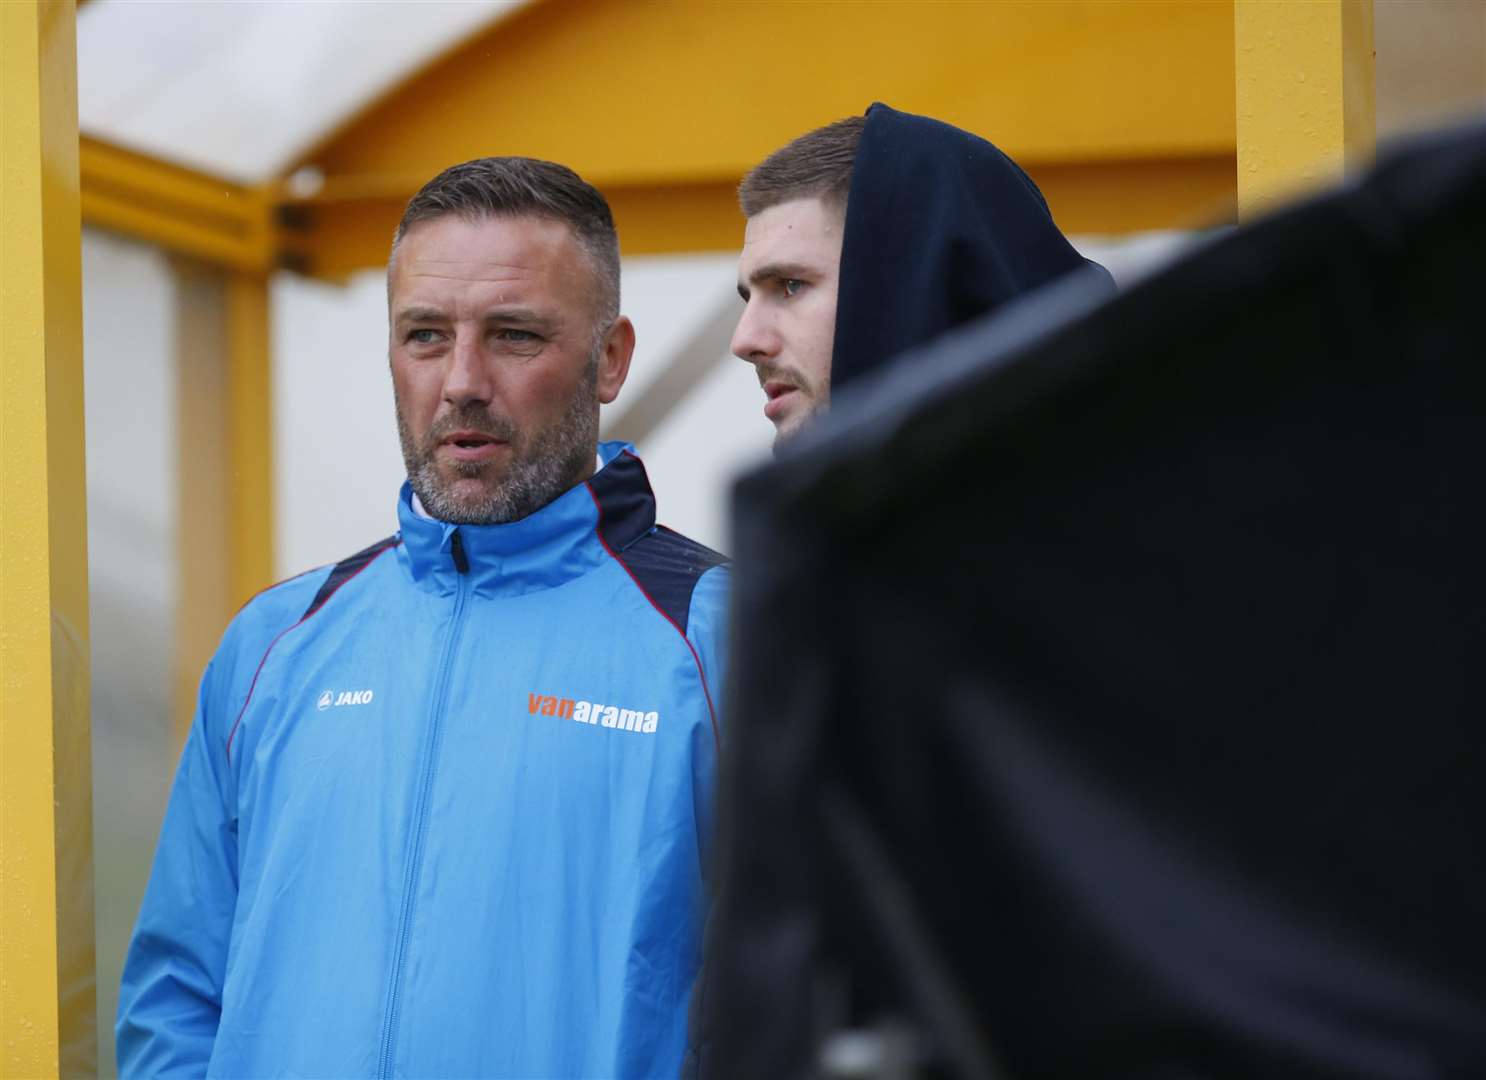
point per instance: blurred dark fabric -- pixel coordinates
(1107, 694)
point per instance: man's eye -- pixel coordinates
(516, 337)
(792, 286)
(423, 337)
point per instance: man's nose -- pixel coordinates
(754, 339)
(469, 377)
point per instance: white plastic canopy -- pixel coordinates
(240, 88)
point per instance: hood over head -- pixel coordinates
(941, 228)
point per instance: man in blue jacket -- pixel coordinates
(875, 234)
(444, 806)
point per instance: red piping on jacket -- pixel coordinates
(701, 673)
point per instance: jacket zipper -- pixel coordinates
(420, 813)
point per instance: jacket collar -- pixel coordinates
(563, 540)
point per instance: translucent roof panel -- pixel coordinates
(241, 88)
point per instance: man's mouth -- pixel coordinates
(471, 445)
(779, 393)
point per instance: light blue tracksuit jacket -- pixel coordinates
(444, 808)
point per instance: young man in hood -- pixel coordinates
(875, 234)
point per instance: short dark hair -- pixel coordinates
(517, 187)
(816, 165)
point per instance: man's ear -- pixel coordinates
(614, 358)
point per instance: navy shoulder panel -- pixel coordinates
(345, 570)
(667, 566)
(626, 505)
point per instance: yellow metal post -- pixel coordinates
(1305, 95)
(250, 436)
(46, 829)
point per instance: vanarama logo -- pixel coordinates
(346, 697)
(593, 712)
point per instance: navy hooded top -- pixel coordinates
(941, 228)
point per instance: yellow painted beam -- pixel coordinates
(1124, 109)
(1117, 197)
(1305, 96)
(347, 231)
(641, 91)
(46, 826)
(249, 437)
(181, 210)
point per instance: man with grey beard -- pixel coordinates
(445, 806)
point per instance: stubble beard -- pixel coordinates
(817, 398)
(543, 465)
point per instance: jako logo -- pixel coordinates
(591, 712)
(345, 697)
